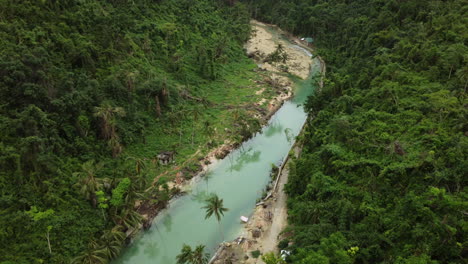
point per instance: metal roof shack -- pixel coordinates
(308, 40)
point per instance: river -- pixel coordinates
(239, 179)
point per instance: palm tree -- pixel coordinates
(185, 255)
(197, 256)
(89, 184)
(196, 112)
(129, 218)
(106, 113)
(112, 242)
(214, 206)
(92, 255)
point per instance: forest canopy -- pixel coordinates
(382, 177)
(80, 81)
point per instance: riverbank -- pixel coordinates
(271, 88)
(262, 233)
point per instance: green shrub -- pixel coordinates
(255, 253)
(283, 244)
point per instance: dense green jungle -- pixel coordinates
(382, 177)
(91, 91)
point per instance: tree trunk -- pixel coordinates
(103, 214)
(48, 242)
(158, 106)
(221, 231)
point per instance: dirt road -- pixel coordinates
(269, 240)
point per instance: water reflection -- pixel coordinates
(244, 158)
(151, 249)
(207, 177)
(167, 223)
(273, 129)
(201, 196)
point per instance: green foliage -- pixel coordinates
(283, 244)
(214, 206)
(37, 215)
(330, 250)
(119, 192)
(86, 81)
(279, 55)
(189, 256)
(255, 253)
(102, 200)
(271, 258)
(381, 176)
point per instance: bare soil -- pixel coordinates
(263, 43)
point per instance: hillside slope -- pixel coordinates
(83, 84)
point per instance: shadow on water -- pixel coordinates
(201, 196)
(273, 129)
(167, 223)
(243, 159)
(151, 249)
(207, 176)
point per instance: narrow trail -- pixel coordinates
(280, 217)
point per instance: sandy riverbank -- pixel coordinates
(263, 43)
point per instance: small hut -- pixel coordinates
(307, 40)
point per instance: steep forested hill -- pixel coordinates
(80, 80)
(382, 178)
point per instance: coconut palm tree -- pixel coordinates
(197, 256)
(92, 255)
(185, 255)
(112, 241)
(214, 206)
(196, 113)
(129, 218)
(106, 113)
(88, 183)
